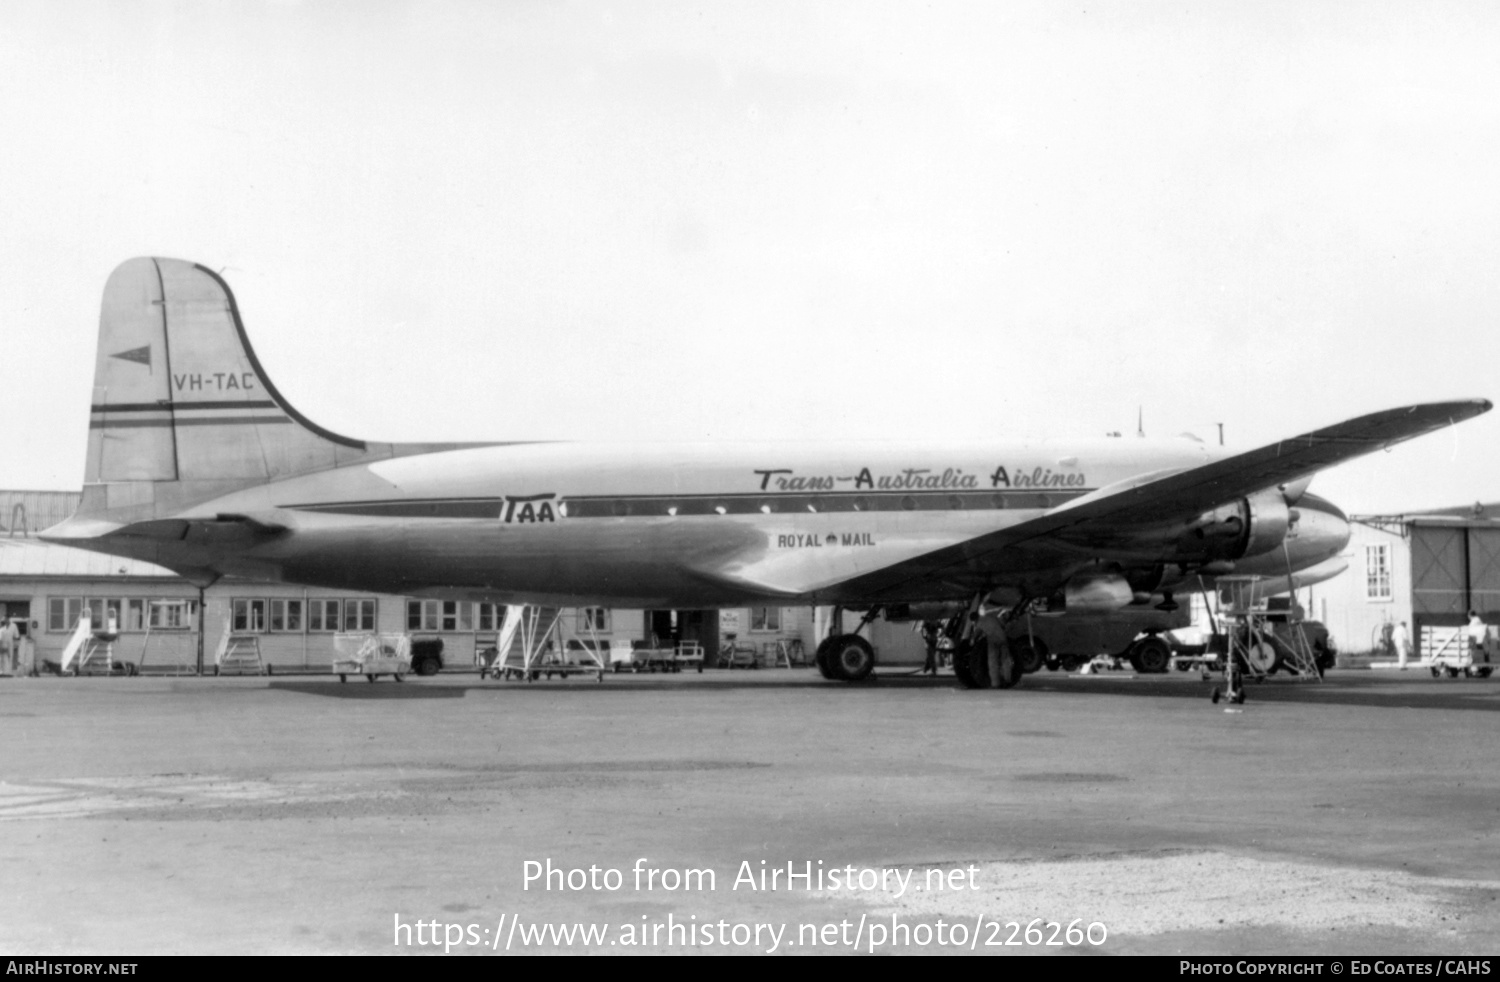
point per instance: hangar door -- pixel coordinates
(1484, 572)
(1439, 575)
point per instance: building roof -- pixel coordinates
(1479, 514)
(29, 512)
(21, 557)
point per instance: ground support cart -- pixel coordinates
(371, 655)
(1461, 656)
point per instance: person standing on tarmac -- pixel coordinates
(930, 638)
(1401, 641)
(1477, 631)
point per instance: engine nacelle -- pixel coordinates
(1267, 519)
(1249, 527)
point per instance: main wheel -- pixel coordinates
(427, 665)
(1030, 655)
(1151, 656)
(1010, 667)
(820, 657)
(979, 666)
(961, 665)
(976, 663)
(850, 658)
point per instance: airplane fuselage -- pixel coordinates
(689, 524)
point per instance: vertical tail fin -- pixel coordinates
(182, 410)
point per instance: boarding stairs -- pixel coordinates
(1253, 644)
(96, 657)
(529, 643)
(239, 654)
(87, 652)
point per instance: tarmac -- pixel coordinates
(1069, 816)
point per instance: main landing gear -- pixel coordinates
(847, 657)
(980, 664)
(984, 657)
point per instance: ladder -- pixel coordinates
(96, 656)
(1252, 645)
(524, 636)
(1304, 660)
(239, 654)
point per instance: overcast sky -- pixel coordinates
(466, 221)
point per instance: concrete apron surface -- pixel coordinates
(1068, 816)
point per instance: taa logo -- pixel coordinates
(530, 508)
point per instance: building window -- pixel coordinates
(63, 613)
(249, 616)
(286, 616)
(594, 619)
(765, 618)
(323, 615)
(128, 613)
(487, 616)
(171, 615)
(359, 615)
(446, 615)
(1378, 572)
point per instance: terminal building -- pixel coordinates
(45, 588)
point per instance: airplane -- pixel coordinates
(198, 463)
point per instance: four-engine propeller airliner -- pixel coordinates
(197, 463)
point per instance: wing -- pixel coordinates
(1175, 495)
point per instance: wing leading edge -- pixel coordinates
(1180, 494)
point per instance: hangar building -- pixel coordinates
(1428, 569)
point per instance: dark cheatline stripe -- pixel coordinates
(127, 424)
(469, 508)
(658, 506)
(151, 407)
